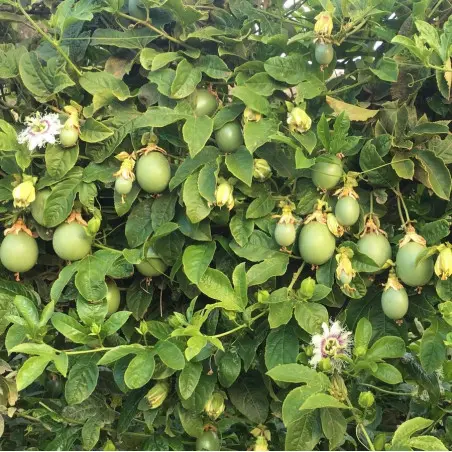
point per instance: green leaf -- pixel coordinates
(293, 401)
(196, 259)
(60, 160)
(30, 348)
(282, 347)
(378, 174)
(31, 369)
(90, 433)
(258, 247)
(216, 285)
(252, 100)
(260, 207)
(296, 373)
(170, 354)
(189, 379)
(227, 114)
(258, 133)
(196, 206)
(402, 165)
(322, 401)
(93, 131)
(262, 272)
(303, 433)
(229, 368)
(240, 164)
(27, 309)
(386, 69)
(432, 351)
(310, 316)
(163, 209)
(101, 83)
(191, 422)
(207, 181)
(363, 334)
(213, 66)
(280, 314)
(70, 328)
(90, 278)
(427, 442)
(408, 428)
(334, 426)
(241, 228)
(140, 370)
(119, 352)
(387, 347)
(204, 389)
(128, 39)
(186, 79)
(434, 231)
(196, 132)
(240, 284)
(262, 84)
(115, 322)
(81, 382)
(388, 373)
(138, 299)
(139, 223)
(290, 69)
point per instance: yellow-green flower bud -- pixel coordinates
(334, 226)
(263, 296)
(215, 406)
(324, 24)
(261, 170)
(25, 193)
(225, 195)
(309, 350)
(366, 399)
(307, 287)
(261, 443)
(338, 389)
(157, 394)
(325, 365)
(251, 115)
(298, 120)
(443, 264)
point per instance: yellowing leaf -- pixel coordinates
(448, 73)
(354, 113)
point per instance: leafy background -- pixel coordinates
(73, 377)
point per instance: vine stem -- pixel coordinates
(162, 33)
(381, 166)
(240, 327)
(83, 352)
(400, 197)
(385, 391)
(360, 425)
(103, 247)
(49, 39)
(295, 276)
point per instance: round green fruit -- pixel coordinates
(375, 246)
(285, 234)
(71, 242)
(406, 268)
(68, 136)
(324, 53)
(316, 243)
(152, 265)
(19, 252)
(38, 205)
(205, 103)
(113, 297)
(229, 137)
(347, 211)
(153, 172)
(123, 186)
(394, 303)
(327, 172)
(208, 441)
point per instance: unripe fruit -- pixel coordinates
(408, 271)
(324, 53)
(71, 241)
(285, 234)
(208, 441)
(394, 303)
(316, 243)
(113, 297)
(153, 172)
(347, 211)
(327, 172)
(19, 252)
(152, 265)
(123, 186)
(205, 102)
(375, 246)
(68, 136)
(229, 137)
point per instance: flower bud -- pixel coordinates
(215, 406)
(338, 389)
(324, 23)
(309, 350)
(443, 264)
(298, 120)
(251, 115)
(94, 225)
(177, 320)
(366, 399)
(224, 195)
(24, 194)
(157, 394)
(261, 170)
(333, 225)
(261, 443)
(307, 287)
(263, 296)
(325, 365)
(95, 329)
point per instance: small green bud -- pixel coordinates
(366, 399)
(157, 394)
(177, 320)
(95, 329)
(263, 296)
(307, 288)
(309, 350)
(325, 365)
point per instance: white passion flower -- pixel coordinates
(335, 340)
(40, 130)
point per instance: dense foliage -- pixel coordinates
(226, 225)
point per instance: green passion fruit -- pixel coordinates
(208, 441)
(38, 205)
(324, 53)
(113, 297)
(375, 246)
(152, 265)
(19, 252)
(394, 303)
(327, 172)
(205, 103)
(316, 243)
(347, 211)
(285, 234)
(71, 241)
(229, 137)
(153, 172)
(406, 268)
(68, 136)
(123, 186)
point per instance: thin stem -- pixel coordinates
(49, 39)
(399, 208)
(381, 166)
(360, 425)
(103, 247)
(348, 87)
(433, 11)
(162, 33)
(240, 327)
(371, 203)
(83, 352)
(295, 276)
(400, 196)
(366, 435)
(385, 391)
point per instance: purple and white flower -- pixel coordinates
(40, 130)
(334, 341)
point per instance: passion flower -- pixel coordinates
(24, 193)
(40, 130)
